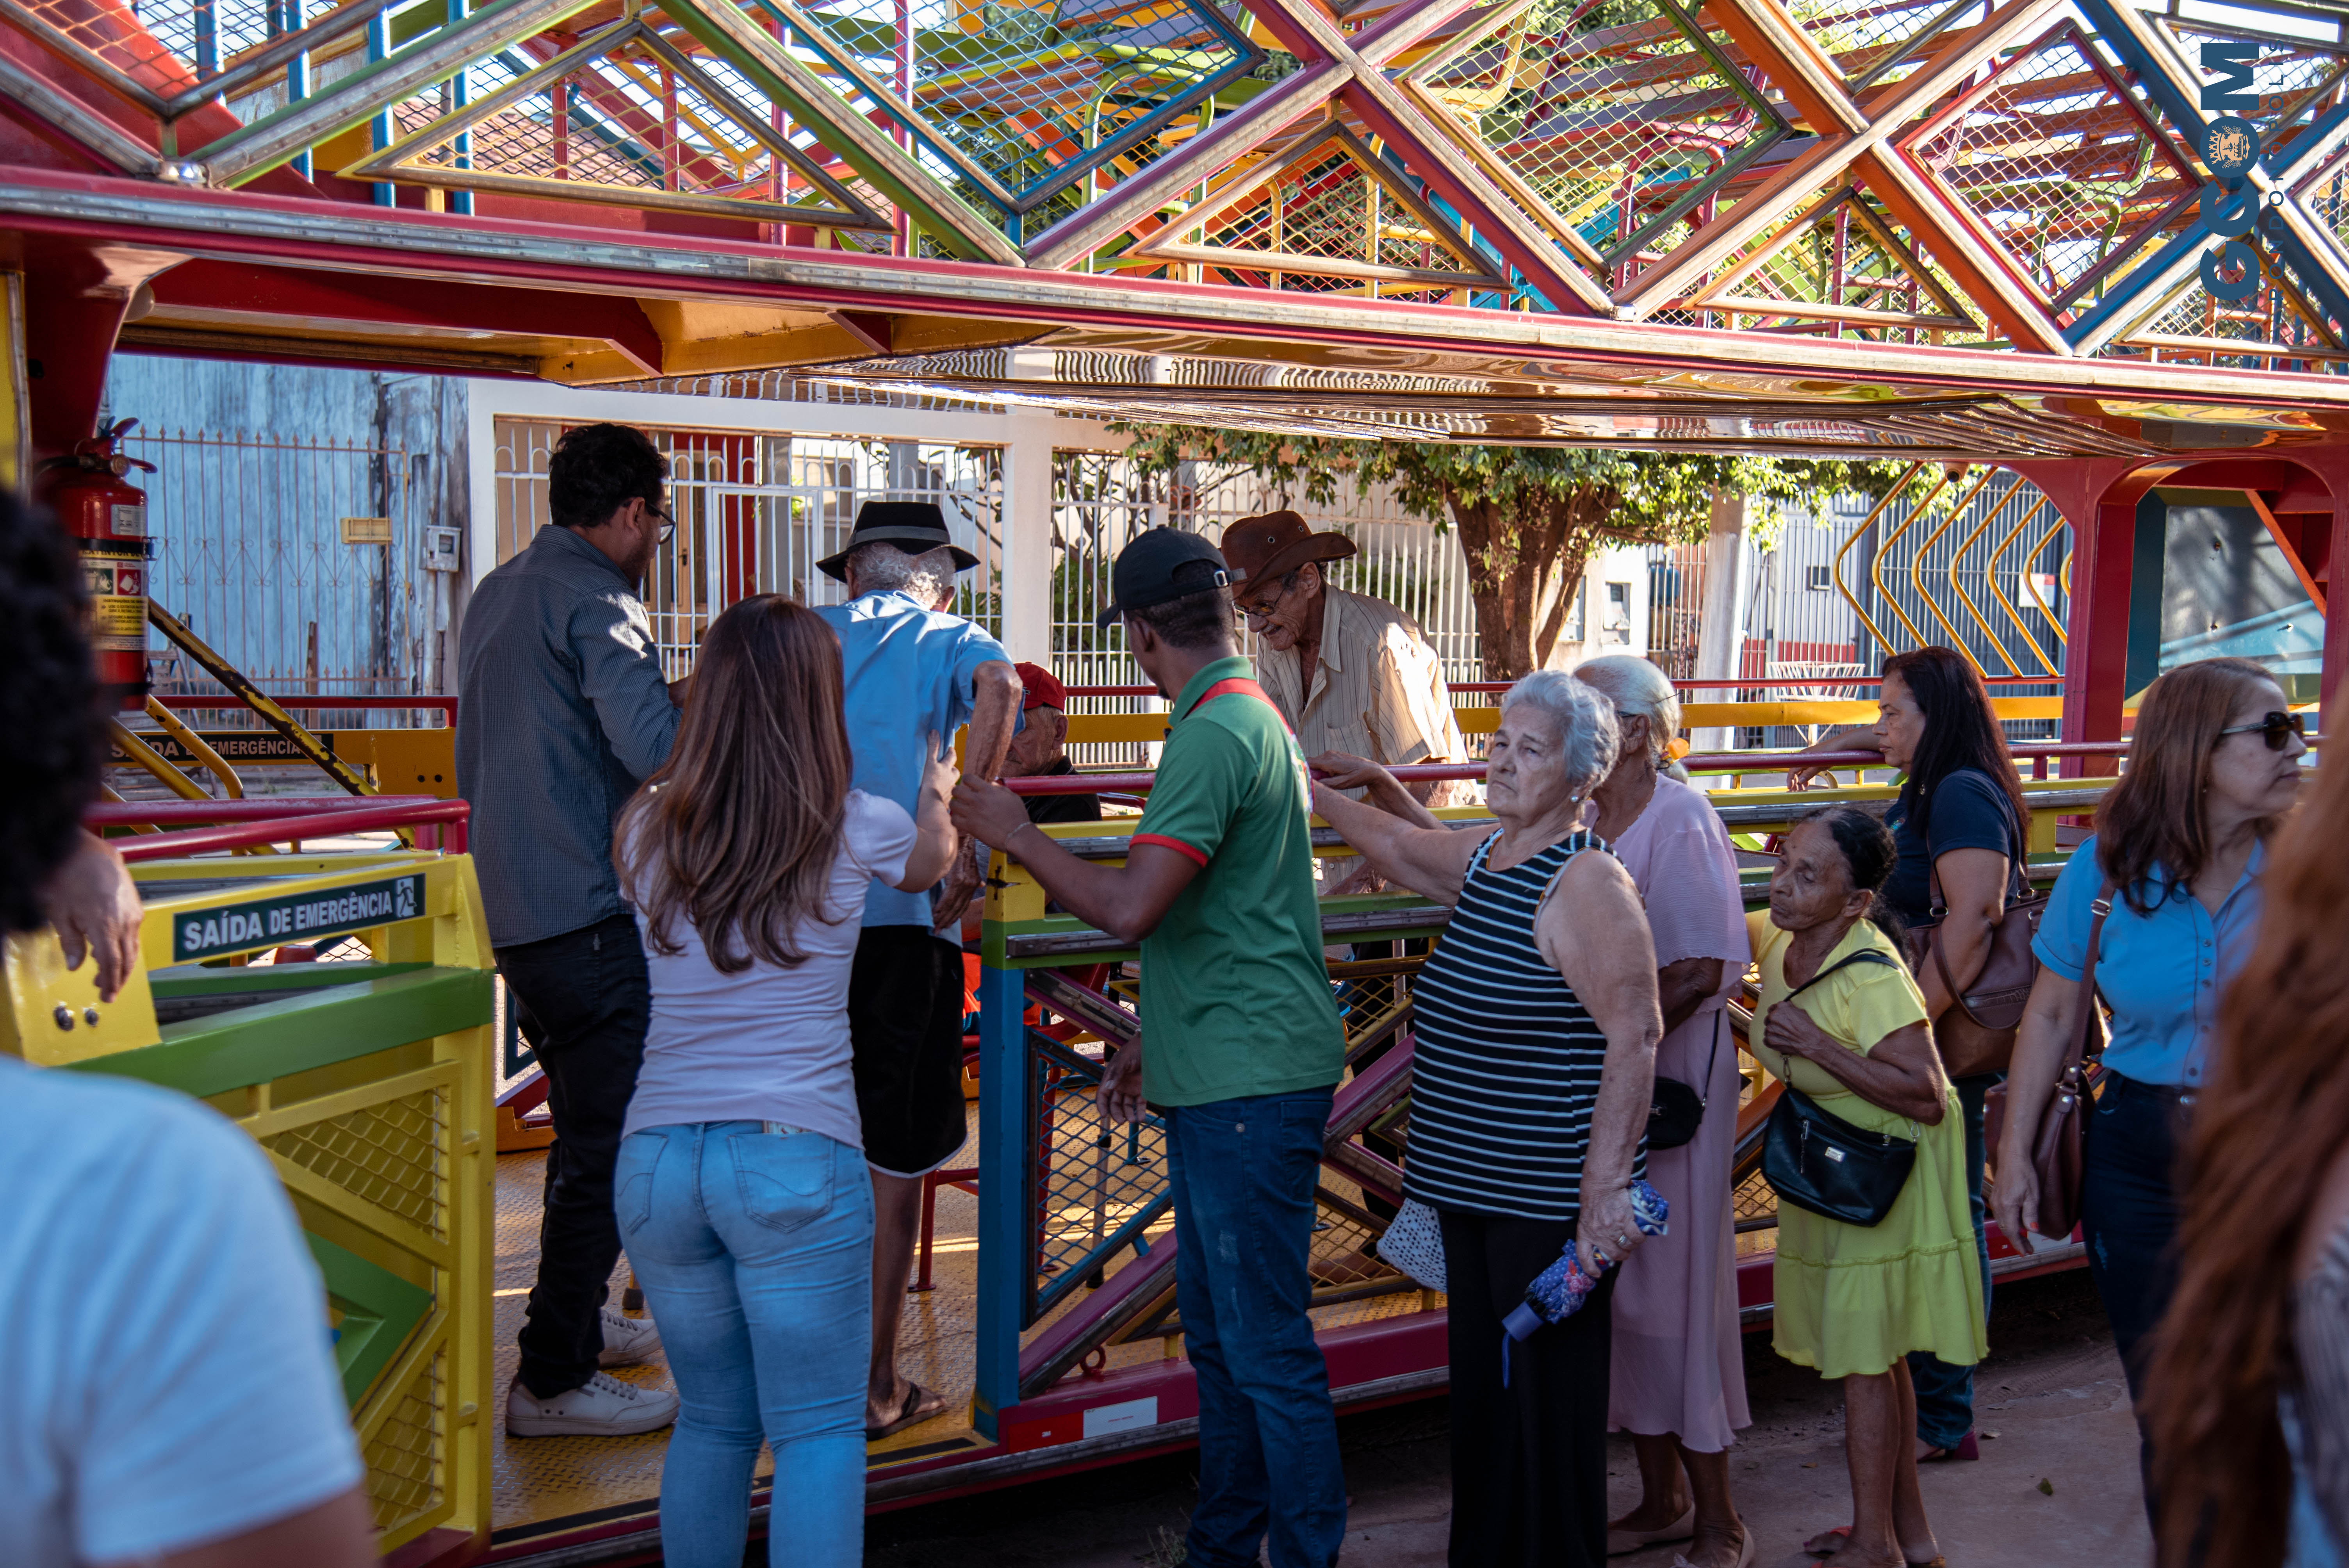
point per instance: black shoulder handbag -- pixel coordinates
(1675, 1110)
(1819, 1161)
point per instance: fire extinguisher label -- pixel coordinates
(129, 521)
(118, 622)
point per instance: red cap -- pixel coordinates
(1043, 688)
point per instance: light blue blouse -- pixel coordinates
(2162, 973)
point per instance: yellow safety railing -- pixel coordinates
(368, 1083)
(1093, 729)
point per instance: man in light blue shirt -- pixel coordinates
(912, 676)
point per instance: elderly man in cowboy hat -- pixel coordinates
(912, 676)
(1354, 676)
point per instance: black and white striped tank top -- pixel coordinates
(1506, 1071)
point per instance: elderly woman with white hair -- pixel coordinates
(1679, 1387)
(1536, 1031)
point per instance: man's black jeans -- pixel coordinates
(583, 1002)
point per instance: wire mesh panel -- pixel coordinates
(2059, 163)
(298, 561)
(1019, 101)
(1610, 122)
(1097, 1183)
(1872, 42)
(755, 514)
(629, 115)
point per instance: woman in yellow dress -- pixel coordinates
(1854, 1300)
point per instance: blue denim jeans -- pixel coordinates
(2129, 1210)
(755, 1252)
(1243, 1172)
(1945, 1394)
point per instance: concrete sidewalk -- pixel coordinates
(2052, 1392)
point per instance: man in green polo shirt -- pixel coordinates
(1240, 1047)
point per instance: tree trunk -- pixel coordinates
(1522, 567)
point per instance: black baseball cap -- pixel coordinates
(913, 526)
(1161, 564)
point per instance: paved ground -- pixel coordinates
(2057, 1485)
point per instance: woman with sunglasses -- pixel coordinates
(2176, 857)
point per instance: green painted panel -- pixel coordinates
(379, 1311)
(316, 1029)
(196, 980)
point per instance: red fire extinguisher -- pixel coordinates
(106, 515)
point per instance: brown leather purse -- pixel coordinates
(1976, 1035)
(2056, 1151)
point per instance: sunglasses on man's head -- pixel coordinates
(2272, 729)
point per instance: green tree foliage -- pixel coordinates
(1528, 517)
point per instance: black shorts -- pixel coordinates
(904, 1026)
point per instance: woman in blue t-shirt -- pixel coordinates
(1958, 821)
(2179, 846)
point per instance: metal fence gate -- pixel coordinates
(298, 561)
(755, 512)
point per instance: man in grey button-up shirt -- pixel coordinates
(563, 712)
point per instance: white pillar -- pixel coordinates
(1027, 539)
(1721, 636)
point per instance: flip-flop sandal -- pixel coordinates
(1968, 1447)
(1843, 1533)
(909, 1414)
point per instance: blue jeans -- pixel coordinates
(2129, 1210)
(1945, 1394)
(755, 1252)
(1243, 1172)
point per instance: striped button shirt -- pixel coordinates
(1505, 1072)
(1377, 689)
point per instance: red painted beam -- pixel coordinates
(376, 299)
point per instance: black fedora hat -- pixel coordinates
(913, 526)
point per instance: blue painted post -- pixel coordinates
(207, 40)
(286, 17)
(1004, 1225)
(378, 46)
(461, 93)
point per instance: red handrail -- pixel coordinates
(1707, 762)
(445, 704)
(1692, 684)
(366, 819)
(259, 809)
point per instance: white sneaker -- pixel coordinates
(627, 1340)
(601, 1407)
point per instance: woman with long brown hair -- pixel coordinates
(2174, 868)
(741, 1189)
(2257, 1337)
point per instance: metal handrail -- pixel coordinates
(1708, 761)
(310, 701)
(267, 808)
(451, 815)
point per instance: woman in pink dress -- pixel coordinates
(1679, 1379)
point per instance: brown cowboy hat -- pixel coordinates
(1258, 549)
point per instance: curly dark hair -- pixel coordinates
(597, 470)
(49, 707)
(1869, 852)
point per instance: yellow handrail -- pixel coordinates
(1876, 566)
(1917, 567)
(154, 762)
(2006, 603)
(1835, 571)
(2030, 580)
(1957, 583)
(198, 748)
